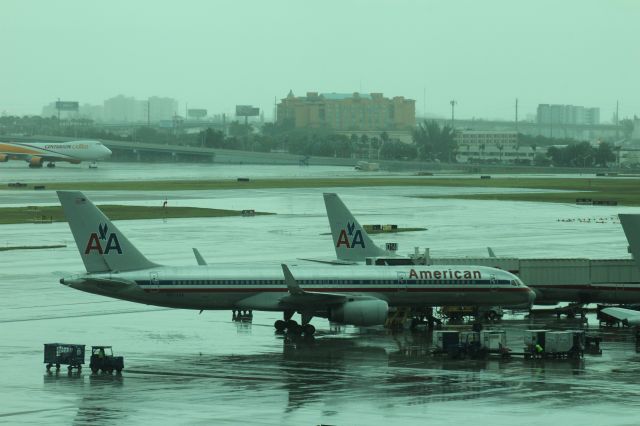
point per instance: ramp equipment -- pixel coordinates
(102, 359)
(57, 354)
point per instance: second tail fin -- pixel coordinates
(350, 240)
(102, 246)
(631, 226)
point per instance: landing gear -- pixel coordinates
(242, 315)
(280, 326)
(291, 324)
(308, 330)
(291, 327)
(51, 165)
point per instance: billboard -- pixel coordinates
(67, 106)
(247, 111)
(197, 113)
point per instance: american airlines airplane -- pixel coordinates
(37, 153)
(356, 295)
(353, 245)
(631, 226)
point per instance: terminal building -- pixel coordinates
(355, 112)
(482, 146)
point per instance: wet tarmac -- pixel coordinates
(189, 368)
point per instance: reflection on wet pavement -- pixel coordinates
(186, 368)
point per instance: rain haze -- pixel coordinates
(216, 54)
(304, 213)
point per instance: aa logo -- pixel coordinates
(350, 237)
(109, 241)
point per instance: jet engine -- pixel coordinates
(4, 158)
(36, 161)
(361, 312)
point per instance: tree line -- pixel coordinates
(430, 141)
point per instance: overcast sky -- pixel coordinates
(216, 54)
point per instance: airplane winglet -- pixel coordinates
(292, 284)
(199, 257)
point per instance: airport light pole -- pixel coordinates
(453, 107)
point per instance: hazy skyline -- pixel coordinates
(215, 55)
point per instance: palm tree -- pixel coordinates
(434, 142)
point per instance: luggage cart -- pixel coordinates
(57, 354)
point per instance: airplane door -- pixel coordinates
(493, 281)
(154, 281)
(402, 281)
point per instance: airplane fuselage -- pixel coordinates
(37, 153)
(264, 288)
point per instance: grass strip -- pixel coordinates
(46, 214)
(626, 191)
(32, 247)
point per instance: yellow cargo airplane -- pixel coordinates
(37, 153)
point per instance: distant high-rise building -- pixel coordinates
(347, 112)
(162, 108)
(128, 109)
(50, 110)
(567, 114)
(92, 112)
(122, 109)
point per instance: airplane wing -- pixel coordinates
(299, 298)
(627, 316)
(330, 261)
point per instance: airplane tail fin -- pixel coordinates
(631, 226)
(102, 246)
(350, 240)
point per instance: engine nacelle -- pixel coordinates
(4, 158)
(361, 312)
(36, 161)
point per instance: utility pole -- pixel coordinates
(617, 120)
(453, 106)
(148, 112)
(516, 115)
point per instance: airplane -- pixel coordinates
(37, 153)
(352, 245)
(355, 295)
(631, 226)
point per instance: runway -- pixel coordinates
(182, 367)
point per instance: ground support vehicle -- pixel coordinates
(102, 359)
(57, 354)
